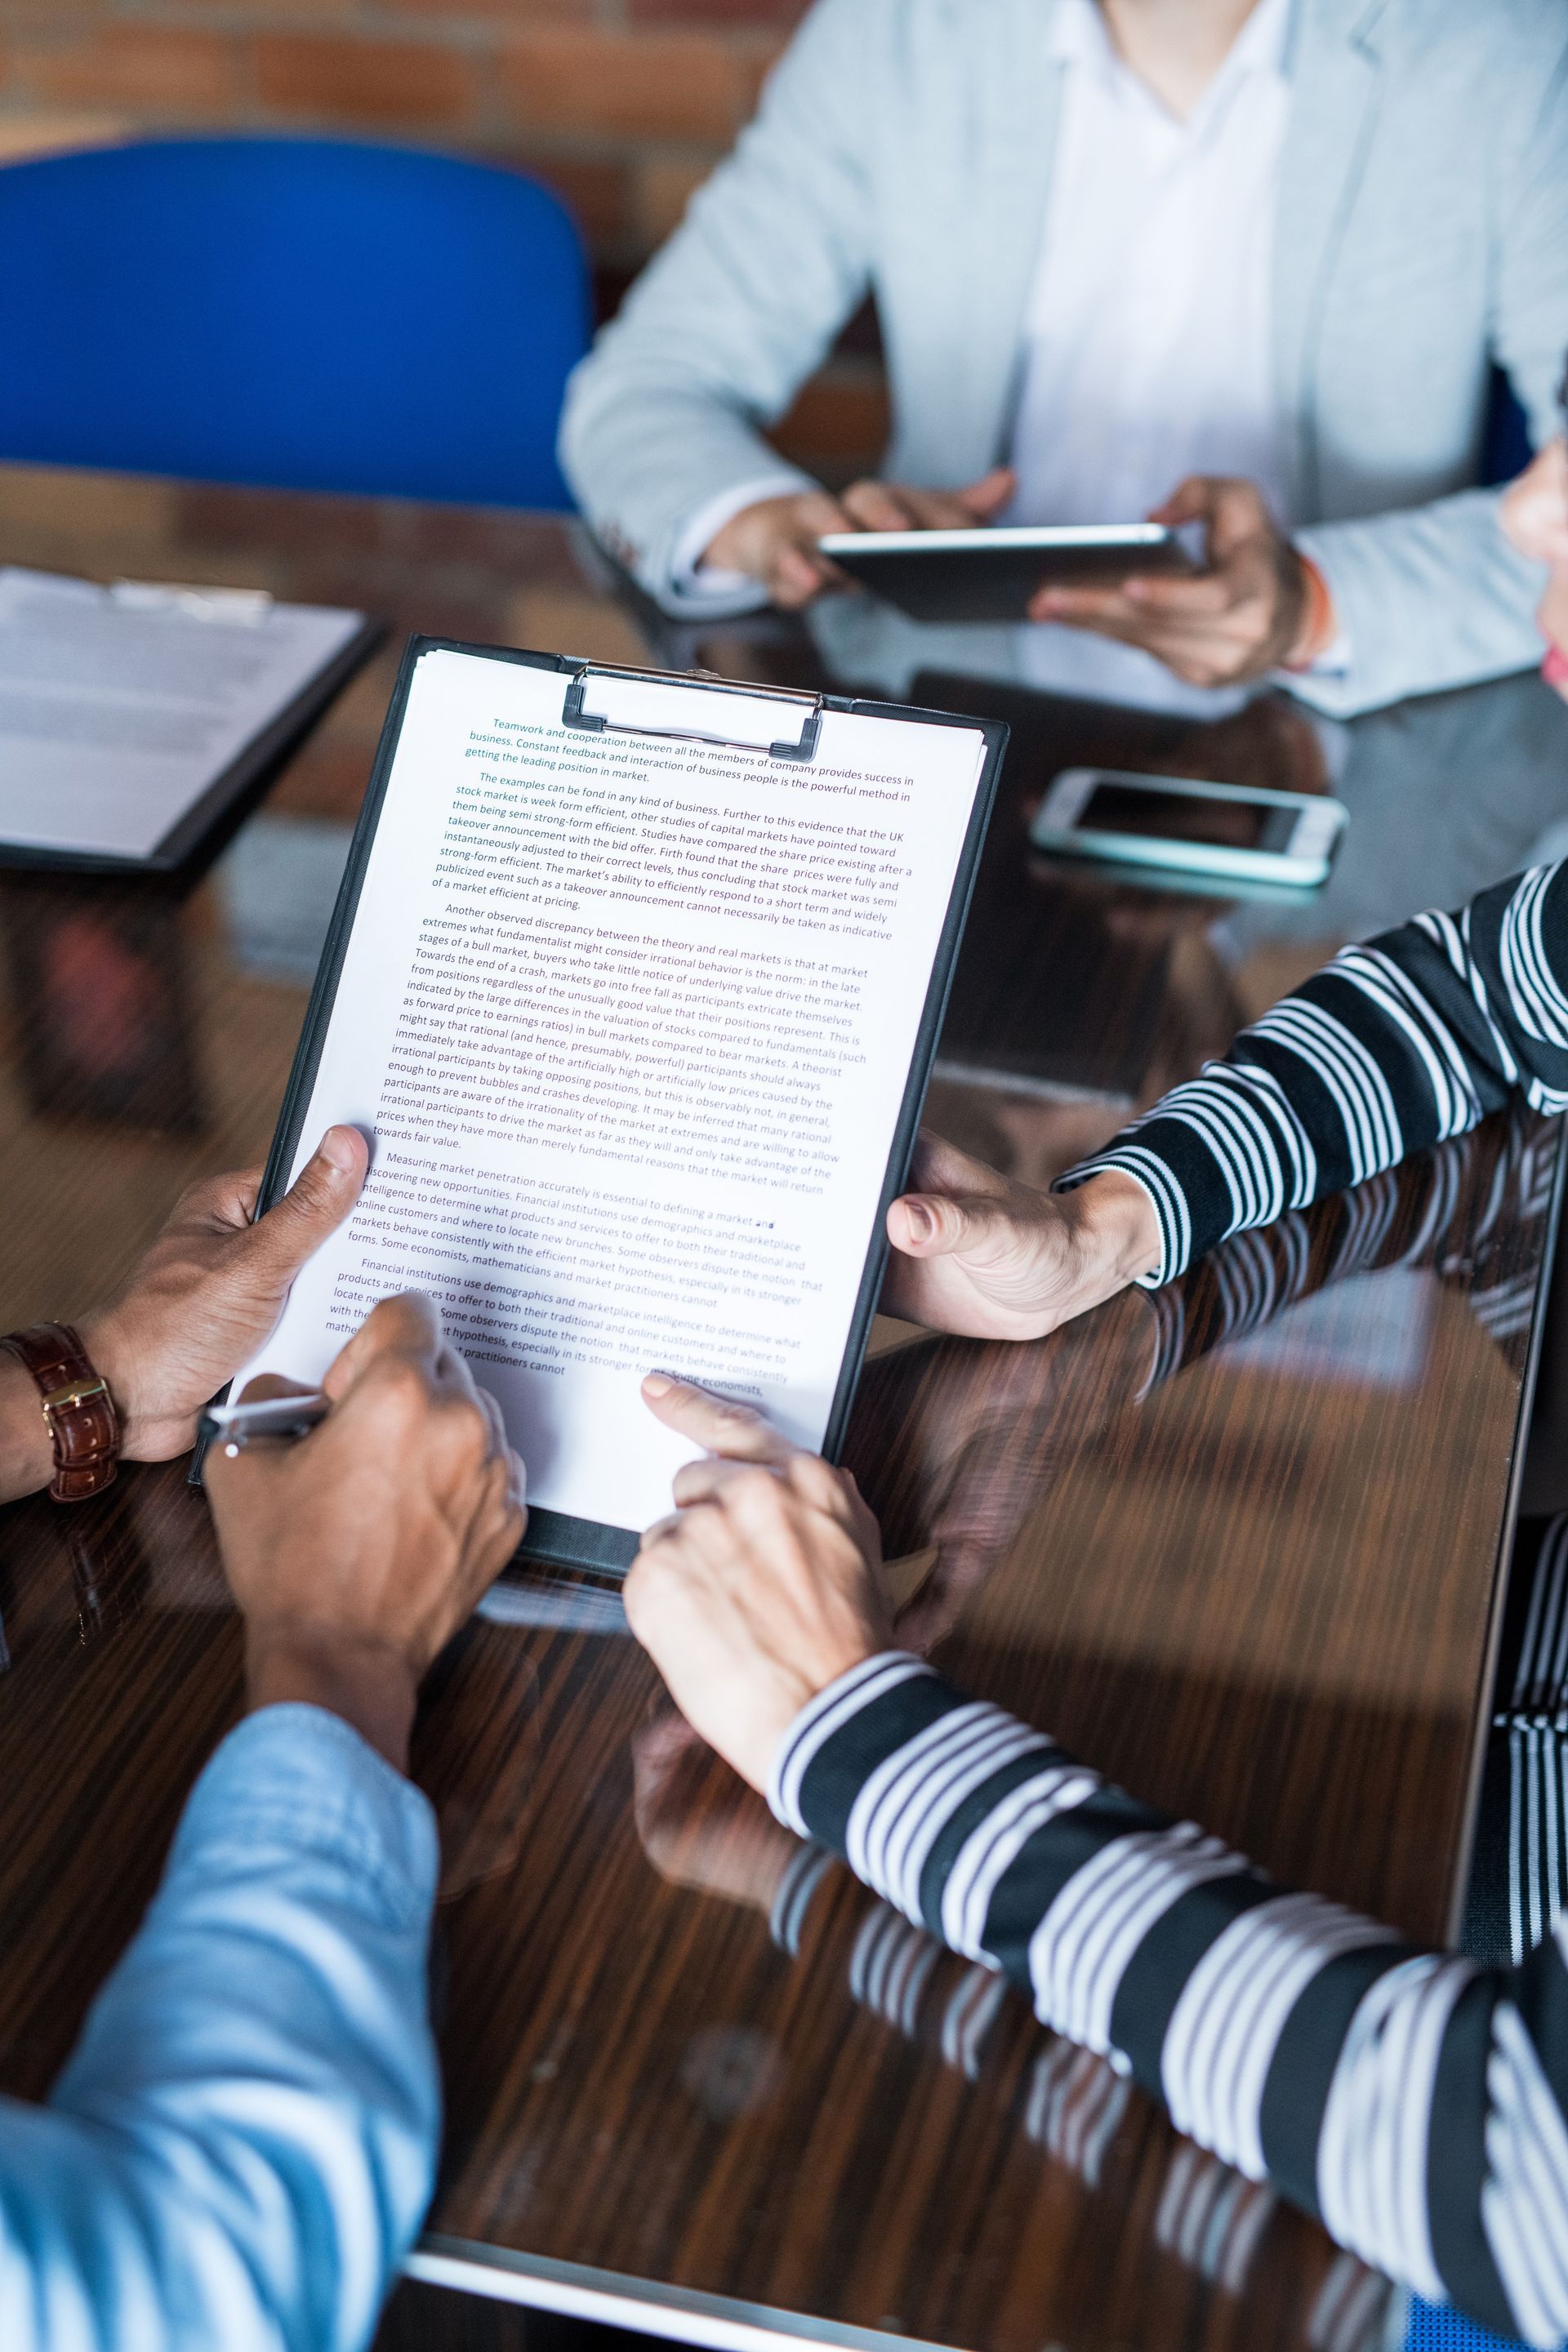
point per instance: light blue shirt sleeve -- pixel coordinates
(241, 2147)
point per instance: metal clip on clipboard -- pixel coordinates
(684, 689)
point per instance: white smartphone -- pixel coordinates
(1241, 832)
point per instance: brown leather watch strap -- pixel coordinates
(77, 1408)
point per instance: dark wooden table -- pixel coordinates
(695, 2080)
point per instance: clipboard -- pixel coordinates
(207, 824)
(785, 725)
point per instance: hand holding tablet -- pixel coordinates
(1258, 605)
(1254, 605)
(778, 542)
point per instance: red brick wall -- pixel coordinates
(622, 105)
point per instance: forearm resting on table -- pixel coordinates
(241, 2146)
(1401, 1043)
(1280, 2029)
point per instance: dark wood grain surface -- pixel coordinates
(1253, 1573)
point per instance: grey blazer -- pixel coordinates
(905, 147)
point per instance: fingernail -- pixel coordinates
(922, 1222)
(338, 1149)
(658, 1384)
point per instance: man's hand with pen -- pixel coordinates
(359, 1551)
(356, 1553)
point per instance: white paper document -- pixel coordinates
(121, 707)
(630, 1022)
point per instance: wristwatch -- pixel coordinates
(77, 1409)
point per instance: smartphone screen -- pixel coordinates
(1177, 817)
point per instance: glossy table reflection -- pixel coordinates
(1239, 1546)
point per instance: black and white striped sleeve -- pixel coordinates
(1397, 1043)
(1412, 2102)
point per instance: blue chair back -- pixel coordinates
(301, 313)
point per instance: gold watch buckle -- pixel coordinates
(74, 1392)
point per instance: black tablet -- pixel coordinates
(991, 574)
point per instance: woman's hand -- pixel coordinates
(760, 1589)
(977, 1254)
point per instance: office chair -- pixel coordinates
(304, 313)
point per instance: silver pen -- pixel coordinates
(235, 1426)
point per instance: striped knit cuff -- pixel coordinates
(815, 1776)
(1170, 1204)
(928, 1795)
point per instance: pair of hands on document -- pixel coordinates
(1248, 612)
(355, 1554)
(974, 1253)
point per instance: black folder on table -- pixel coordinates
(534, 1104)
(139, 723)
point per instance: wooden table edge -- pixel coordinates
(616, 2299)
